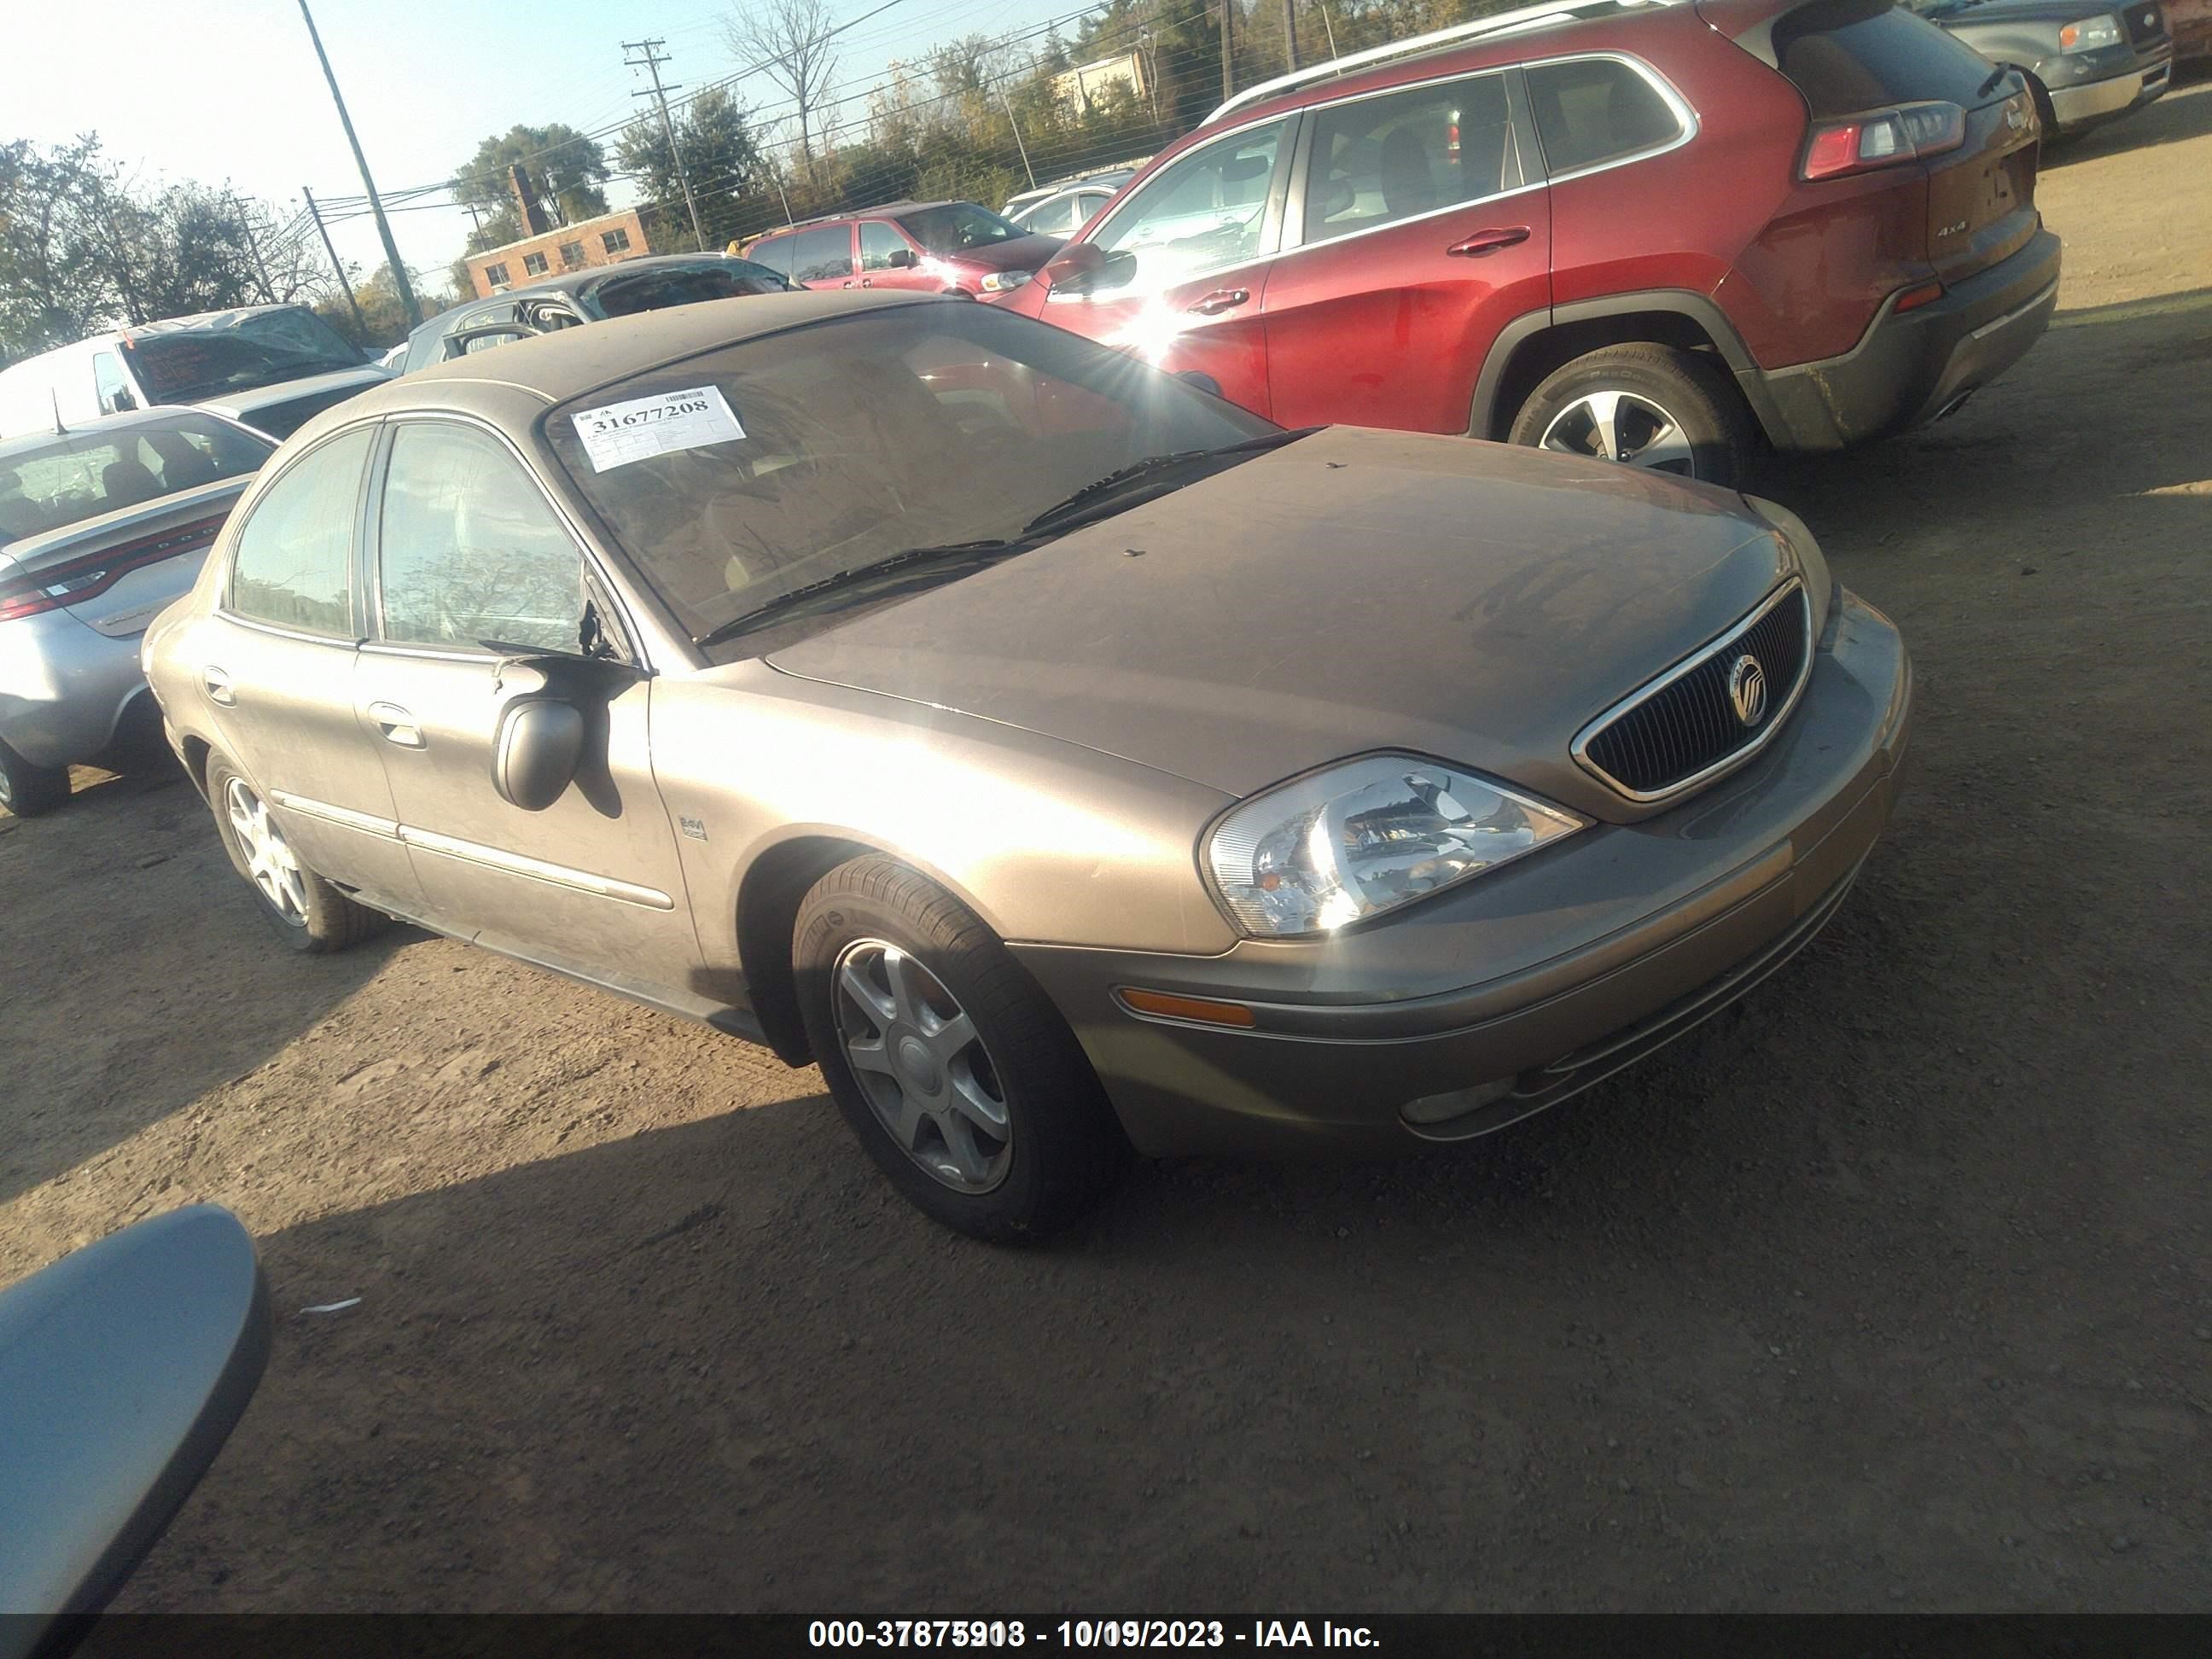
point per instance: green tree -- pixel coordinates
(566, 169)
(716, 142)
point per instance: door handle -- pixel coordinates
(397, 724)
(217, 682)
(867, 281)
(1489, 241)
(1221, 300)
(848, 283)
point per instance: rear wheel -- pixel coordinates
(952, 1067)
(1649, 406)
(27, 790)
(309, 914)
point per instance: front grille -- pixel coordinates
(2145, 24)
(1686, 725)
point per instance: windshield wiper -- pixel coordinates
(912, 559)
(1060, 514)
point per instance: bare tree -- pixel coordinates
(791, 40)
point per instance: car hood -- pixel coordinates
(1023, 253)
(1352, 591)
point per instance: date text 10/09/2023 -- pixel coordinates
(1087, 1633)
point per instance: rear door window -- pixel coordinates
(1845, 56)
(1591, 110)
(821, 256)
(1377, 161)
(293, 564)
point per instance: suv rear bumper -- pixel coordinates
(1912, 367)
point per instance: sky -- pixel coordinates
(229, 91)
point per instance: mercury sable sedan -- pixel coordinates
(1063, 759)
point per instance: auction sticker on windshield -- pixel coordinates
(618, 434)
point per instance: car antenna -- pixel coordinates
(60, 431)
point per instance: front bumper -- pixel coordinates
(1618, 941)
(2087, 103)
(1912, 367)
(65, 688)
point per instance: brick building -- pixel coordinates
(608, 239)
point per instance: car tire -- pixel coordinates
(1006, 1136)
(30, 790)
(1643, 385)
(307, 913)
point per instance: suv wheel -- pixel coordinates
(1650, 406)
(954, 1070)
(27, 790)
(309, 914)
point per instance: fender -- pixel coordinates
(1686, 303)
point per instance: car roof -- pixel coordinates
(888, 210)
(551, 369)
(24, 443)
(227, 318)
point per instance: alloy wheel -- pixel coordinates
(1613, 425)
(916, 1055)
(270, 864)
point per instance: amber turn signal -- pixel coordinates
(1204, 1009)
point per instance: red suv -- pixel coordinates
(950, 247)
(1641, 232)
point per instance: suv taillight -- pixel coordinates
(1881, 138)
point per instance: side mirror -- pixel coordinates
(902, 258)
(1074, 269)
(124, 1367)
(536, 753)
(1198, 378)
(118, 400)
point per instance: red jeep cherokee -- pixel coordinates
(1631, 231)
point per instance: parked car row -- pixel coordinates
(934, 247)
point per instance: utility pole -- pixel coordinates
(653, 59)
(375, 206)
(1227, 51)
(1290, 35)
(253, 247)
(345, 286)
(1008, 105)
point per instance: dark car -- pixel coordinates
(1648, 233)
(590, 295)
(2086, 66)
(934, 247)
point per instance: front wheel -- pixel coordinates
(28, 791)
(307, 913)
(952, 1067)
(1649, 406)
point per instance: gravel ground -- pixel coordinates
(1886, 1290)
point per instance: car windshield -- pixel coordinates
(740, 475)
(681, 285)
(957, 226)
(67, 478)
(239, 351)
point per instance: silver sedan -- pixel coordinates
(1067, 761)
(100, 526)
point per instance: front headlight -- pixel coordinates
(2089, 34)
(998, 282)
(1365, 836)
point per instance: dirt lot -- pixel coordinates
(1889, 1289)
